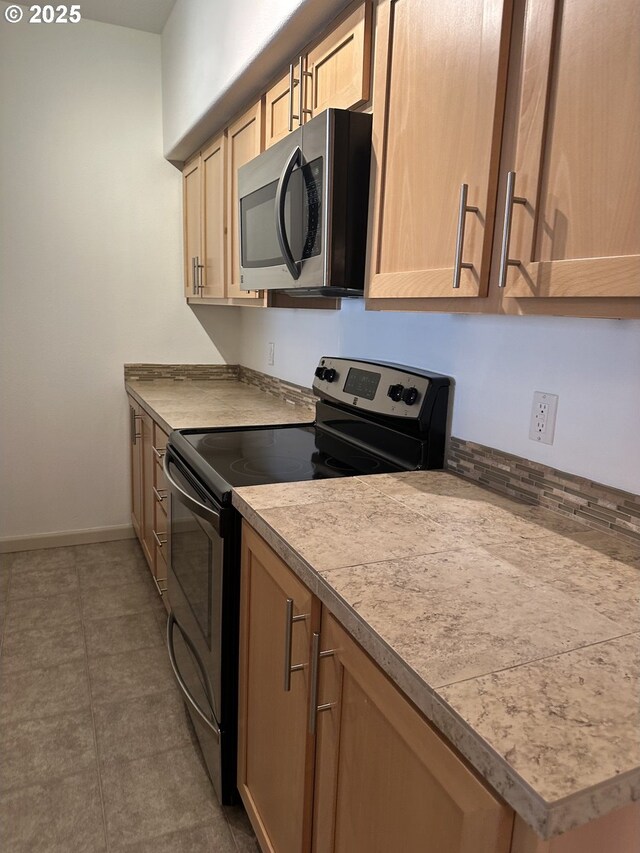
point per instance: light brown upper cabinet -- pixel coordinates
(192, 203)
(244, 142)
(205, 212)
(437, 122)
(214, 216)
(575, 203)
(540, 98)
(333, 72)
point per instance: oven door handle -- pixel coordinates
(171, 621)
(281, 228)
(195, 506)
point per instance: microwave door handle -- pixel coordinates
(281, 194)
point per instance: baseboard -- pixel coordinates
(69, 537)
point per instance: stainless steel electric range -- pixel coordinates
(371, 418)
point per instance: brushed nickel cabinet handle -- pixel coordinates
(160, 542)
(510, 200)
(464, 208)
(194, 285)
(199, 284)
(132, 425)
(161, 589)
(158, 496)
(288, 631)
(314, 708)
(302, 91)
(292, 83)
(159, 453)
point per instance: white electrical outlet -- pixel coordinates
(543, 417)
(271, 353)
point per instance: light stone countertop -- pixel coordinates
(213, 403)
(515, 630)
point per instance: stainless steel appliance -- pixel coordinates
(304, 207)
(370, 418)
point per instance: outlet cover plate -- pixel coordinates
(542, 425)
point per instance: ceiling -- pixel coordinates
(147, 15)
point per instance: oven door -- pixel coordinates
(197, 629)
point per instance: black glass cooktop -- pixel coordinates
(282, 454)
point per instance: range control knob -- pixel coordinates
(410, 395)
(320, 372)
(395, 392)
(329, 374)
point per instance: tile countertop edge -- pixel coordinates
(548, 819)
(148, 409)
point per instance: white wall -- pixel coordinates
(90, 267)
(497, 364)
(217, 54)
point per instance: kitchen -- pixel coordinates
(92, 263)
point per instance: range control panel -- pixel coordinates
(386, 389)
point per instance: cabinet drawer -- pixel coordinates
(160, 439)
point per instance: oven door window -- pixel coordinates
(303, 202)
(196, 562)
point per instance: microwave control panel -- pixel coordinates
(384, 389)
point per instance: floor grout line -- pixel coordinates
(93, 721)
(224, 819)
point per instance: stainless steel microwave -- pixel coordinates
(304, 207)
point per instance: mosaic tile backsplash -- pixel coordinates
(597, 505)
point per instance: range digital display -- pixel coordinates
(362, 383)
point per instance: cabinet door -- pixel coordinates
(439, 104)
(278, 110)
(275, 750)
(214, 213)
(160, 502)
(384, 779)
(576, 163)
(148, 540)
(339, 67)
(135, 438)
(192, 199)
(244, 143)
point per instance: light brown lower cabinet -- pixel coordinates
(365, 774)
(149, 491)
(135, 452)
(332, 758)
(275, 774)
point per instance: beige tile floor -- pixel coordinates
(96, 749)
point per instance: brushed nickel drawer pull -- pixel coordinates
(158, 452)
(288, 630)
(158, 496)
(464, 208)
(160, 542)
(161, 589)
